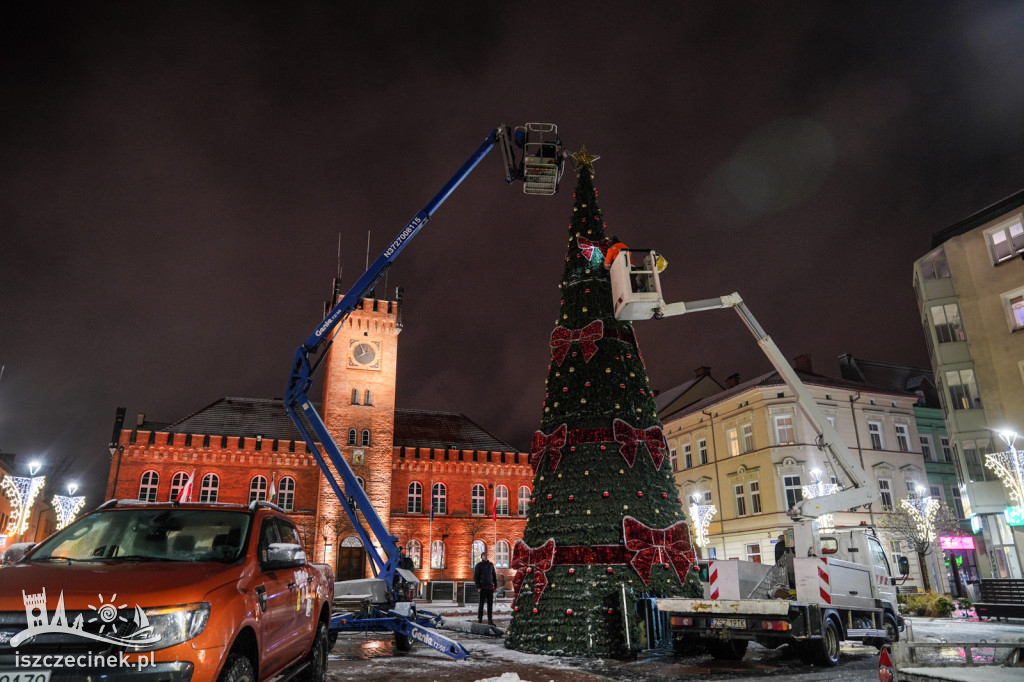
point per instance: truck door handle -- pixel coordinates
(853, 591)
(261, 597)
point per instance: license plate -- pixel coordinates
(738, 623)
(24, 676)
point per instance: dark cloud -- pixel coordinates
(174, 178)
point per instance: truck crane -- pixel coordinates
(533, 154)
(840, 588)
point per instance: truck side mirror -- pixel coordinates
(903, 565)
(284, 555)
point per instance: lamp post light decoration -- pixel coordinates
(922, 510)
(67, 506)
(22, 492)
(819, 489)
(1009, 466)
(701, 515)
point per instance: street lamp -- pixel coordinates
(819, 489)
(1009, 466)
(701, 515)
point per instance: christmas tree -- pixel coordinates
(606, 525)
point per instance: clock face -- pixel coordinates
(364, 354)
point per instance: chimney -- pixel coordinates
(802, 363)
(701, 372)
(732, 380)
(140, 418)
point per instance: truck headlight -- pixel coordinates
(166, 626)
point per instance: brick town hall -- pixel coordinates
(241, 449)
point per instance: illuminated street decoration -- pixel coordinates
(67, 509)
(1014, 516)
(922, 511)
(819, 489)
(701, 515)
(22, 492)
(1009, 466)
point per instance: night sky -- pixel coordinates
(174, 178)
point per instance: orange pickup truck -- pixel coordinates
(167, 591)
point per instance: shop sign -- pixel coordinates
(956, 542)
(1014, 516)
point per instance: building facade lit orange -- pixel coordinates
(240, 449)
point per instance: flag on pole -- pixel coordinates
(185, 494)
(272, 495)
(494, 513)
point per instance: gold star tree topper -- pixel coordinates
(585, 159)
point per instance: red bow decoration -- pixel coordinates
(653, 438)
(549, 444)
(587, 337)
(536, 562)
(588, 247)
(664, 546)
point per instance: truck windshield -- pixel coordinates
(150, 535)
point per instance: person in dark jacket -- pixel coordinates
(485, 578)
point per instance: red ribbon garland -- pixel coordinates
(643, 547)
(536, 562)
(653, 438)
(669, 545)
(562, 338)
(549, 444)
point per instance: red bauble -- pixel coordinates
(536, 610)
(571, 498)
(611, 570)
(639, 493)
(605, 493)
(572, 571)
(568, 612)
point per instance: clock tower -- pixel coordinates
(359, 411)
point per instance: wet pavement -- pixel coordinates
(372, 656)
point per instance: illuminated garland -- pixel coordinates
(67, 509)
(701, 515)
(923, 512)
(819, 489)
(22, 491)
(1009, 466)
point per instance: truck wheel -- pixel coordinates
(316, 668)
(237, 669)
(826, 649)
(403, 642)
(726, 650)
(332, 639)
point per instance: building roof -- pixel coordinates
(267, 417)
(978, 219)
(895, 377)
(430, 429)
(773, 379)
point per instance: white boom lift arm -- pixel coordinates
(637, 295)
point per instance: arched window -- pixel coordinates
(501, 500)
(177, 483)
(437, 554)
(524, 500)
(478, 502)
(414, 504)
(368, 398)
(351, 436)
(477, 549)
(208, 490)
(366, 436)
(413, 550)
(355, 396)
(439, 498)
(501, 554)
(257, 488)
(147, 486)
(286, 493)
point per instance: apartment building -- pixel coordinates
(970, 293)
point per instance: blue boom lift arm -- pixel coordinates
(525, 167)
